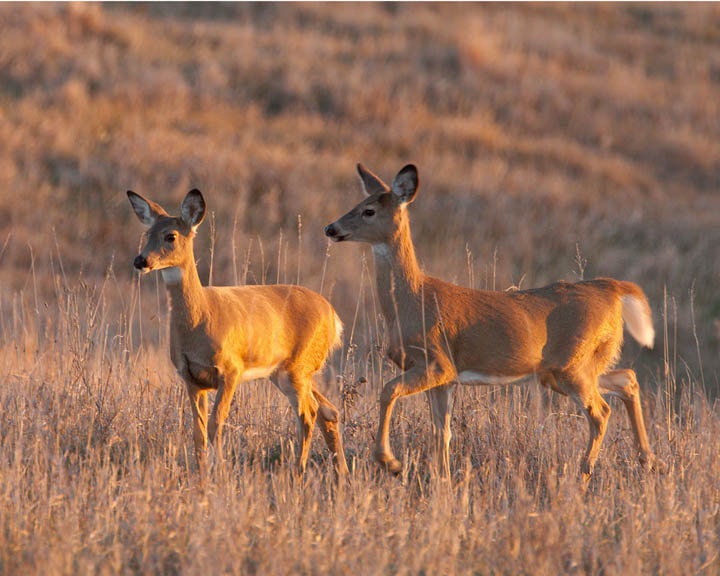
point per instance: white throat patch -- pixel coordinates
(172, 275)
(381, 251)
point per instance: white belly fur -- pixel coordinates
(257, 372)
(470, 377)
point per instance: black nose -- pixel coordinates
(140, 262)
(330, 231)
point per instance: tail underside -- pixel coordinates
(636, 314)
(338, 326)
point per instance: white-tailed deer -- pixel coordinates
(566, 335)
(220, 336)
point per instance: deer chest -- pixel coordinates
(203, 376)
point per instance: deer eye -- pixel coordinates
(368, 212)
(170, 238)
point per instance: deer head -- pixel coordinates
(378, 218)
(169, 239)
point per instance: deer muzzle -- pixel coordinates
(332, 231)
(140, 262)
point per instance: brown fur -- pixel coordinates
(568, 335)
(220, 336)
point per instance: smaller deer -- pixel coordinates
(568, 336)
(220, 336)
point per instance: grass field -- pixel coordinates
(553, 142)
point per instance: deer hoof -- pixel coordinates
(655, 465)
(389, 463)
(342, 473)
(586, 474)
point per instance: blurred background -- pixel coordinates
(553, 142)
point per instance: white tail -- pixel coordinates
(220, 336)
(566, 335)
(337, 341)
(638, 319)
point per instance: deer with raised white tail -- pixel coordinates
(566, 335)
(221, 336)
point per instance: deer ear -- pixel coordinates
(406, 183)
(147, 211)
(371, 184)
(193, 208)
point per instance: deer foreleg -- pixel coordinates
(198, 405)
(419, 378)
(226, 390)
(441, 408)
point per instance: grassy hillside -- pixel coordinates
(553, 141)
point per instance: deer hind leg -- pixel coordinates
(623, 384)
(305, 406)
(584, 390)
(441, 408)
(329, 420)
(598, 413)
(198, 405)
(419, 378)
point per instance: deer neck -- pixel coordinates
(397, 274)
(186, 294)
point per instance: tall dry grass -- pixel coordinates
(97, 475)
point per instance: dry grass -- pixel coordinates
(538, 130)
(96, 477)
